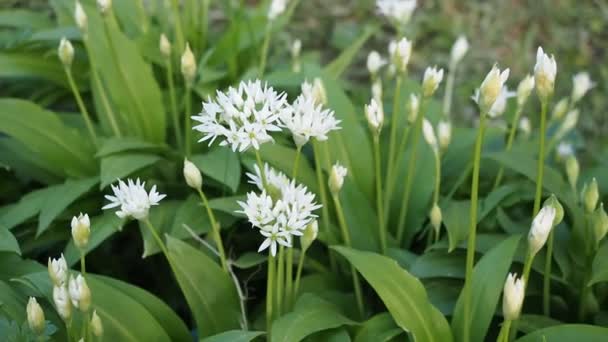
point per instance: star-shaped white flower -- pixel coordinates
(132, 199)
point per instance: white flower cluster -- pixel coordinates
(282, 215)
(398, 12)
(243, 116)
(133, 199)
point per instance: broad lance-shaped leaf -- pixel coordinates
(488, 279)
(380, 328)
(220, 164)
(403, 294)
(600, 265)
(122, 165)
(311, 314)
(568, 333)
(233, 336)
(8, 243)
(209, 291)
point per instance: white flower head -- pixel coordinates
(273, 237)
(375, 62)
(525, 126)
(58, 270)
(490, 89)
(104, 6)
(581, 84)
(35, 316)
(432, 79)
(81, 230)
(444, 134)
(164, 46)
(277, 7)
(513, 297)
(308, 119)
(336, 178)
(316, 90)
(65, 52)
(61, 298)
(375, 116)
(192, 175)
(398, 12)
(413, 107)
(188, 65)
(541, 227)
(459, 49)
(400, 53)
(436, 217)
(132, 199)
(275, 179)
(80, 17)
(80, 294)
(524, 88)
(564, 150)
(500, 105)
(545, 71)
(242, 117)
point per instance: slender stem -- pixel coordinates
(323, 194)
(348, 242)
(265, 45)
(393, 132)
(204, 23)
(411, 171)
(449, 88)
(83, 268)
(289, 279)
(242, 298)
(472, 228)
(541, 158)
(503, 336)
(437, 177)
(380, 211)
(547, 276)
(270, 293)
(299, 274)
(215, 230)
(390, 182)
(81, 106)
(179, 35)
(85, 325)
(172, 98)
(280, 281)
(68, 330)
(510, 140)
(258, 159)
(159, 241)
(187, 121)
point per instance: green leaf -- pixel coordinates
(221, 164)
(529, 323)
(489, 277)
(11, 303)
(161, 218)
(8, 243)
(311, 314)
(33, 66)
(209, 291)
(118, 145)
(439, 263)
(403, 295)
(568, 333)
(380, 328)
(21, 18)
(360, 217)
(341, 63)
(102, 227)
(119, 166)
(249, 259)
(27, 207)
(233, 336)
(61, 197)
(600, 265)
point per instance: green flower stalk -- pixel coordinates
(188, 66)
(559, 216)
(375, 119)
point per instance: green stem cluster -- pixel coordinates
(394, 123)
(215, 230)
(379, 208)
(83, 109)
(187, 121)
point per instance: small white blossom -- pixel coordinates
(398, 12)
(525, 126)
(81, 230)
(61, 298)
(58, 270)
(277, 7)
(274, 236)
(544, 74)
(275, 179)
(132, 199)
(65, 52)
(459, 49)
(35, 316)
(444, 134)
(564, 150)
(336, 178)
(541, 227)
(80, 295)
(524, 88)
(375, 116)
(581, 84)
(375, 62)
(400, 53)
(243, 117)
(513, 297)
(491, 88)
(432, 79)
(80, 17)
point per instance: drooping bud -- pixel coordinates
(590, 196)
(572, 170)
(400, 53)
(62, 302)
(513, 297)
(436, 217)
(188, 64)
(459, 49)
(81, 230)
(96, 325)
(310, 235)
(164, 46)
(80, 293)
(581, 84)
(336, 178)
(541, 227)
(374, 63)
(524, 89)
(104, 6)
(490, 88)
(525, 126)
(35, 316)
(559, 210)
(80, 17)
(413, 107)
(444, 132)
(560, 109)
(431, 81)
(544, 74)
(58, 271)
(193, 176)
(65, 52)
(429, 135)
(375, 116)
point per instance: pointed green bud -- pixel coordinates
(590, 196)
(310, 235)
(436, 217)
(559, 209)
(572, 170)
(600, 222)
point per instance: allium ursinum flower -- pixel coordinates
(192, 175)
(375, 62)
(564, 150)
(513, 297)
(544, 74)
(242, 117)
(400, 53)
(277, 7)
(375, 116)
(412, 108)
(541, 227)
(568, 124)
(525, 126)
(58, 271)
(581, 84)
(429, 135)
(308, 119)
(436, 217)
(164, 46)
(80, 295)
(65, 52)
(274, 179)
(95, 324)
(490, 89)
(104, 6)
(81, 230)
(132, 199)
(524, 88)
(560, 109)
(431, 80)
(398, 12)
(590, 195)
(459, 49)
(188, 66)
(316, 90)
(80, 17)
(274, 236)
(63, 305)
(336, 178)
(572, 170)
(35, 316)
(444, 134)
(500, 105)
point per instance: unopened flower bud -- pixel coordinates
(513, 297)
(413, 107)
(188, 64)
(429, 134)
(336, 178)
(375, 116)
(80, 17)
(431, 81)
(296, 47)
(81, 230)
(35, 316)
(491, 88)
(62, 302)
(277, 7)
(525, 126)
(377, 90)
(459, 49)
(374, 63)
(559, 210)
(104, 6)
(524, 89)
(58, 271)
(310, 235)
(165, 46)
(192, 174)
(590, 196)
(581, 84)
(541, 227)
(400, 53)
(66, 52)
(436, 217)
(80, 293)
(444, 133)
(572, 170)
(563, 151)
(560, 109)
(96, 326)
(544, 74)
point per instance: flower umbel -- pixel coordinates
(132, 199)
(58, 271)
(544, 74)
(398, 12)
